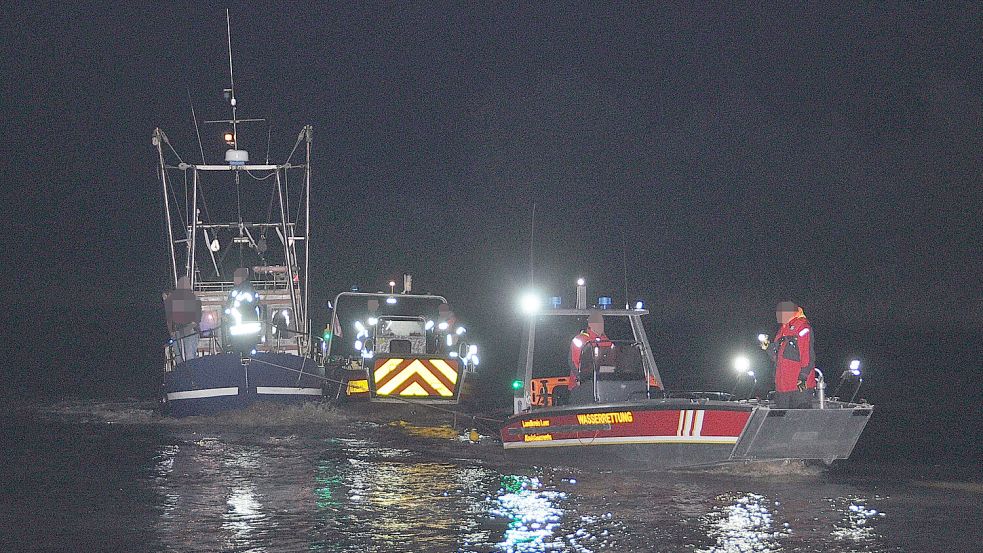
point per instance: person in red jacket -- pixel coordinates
(794, 354)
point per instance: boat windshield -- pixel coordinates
(406, 319)
(555, 334)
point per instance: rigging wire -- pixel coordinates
(194, 118)
(170, 188)
(250, 173)
(168, 142)
(296, 144)
(201, 150)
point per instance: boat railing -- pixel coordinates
(209, 342)
(699, 395)
(259, 285)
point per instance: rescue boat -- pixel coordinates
(621, 415)
(237, 314)
(398, 347)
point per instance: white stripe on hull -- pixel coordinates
(690, 423)
(698, 423)
(626, 440)
(208, 392)
(280, 390)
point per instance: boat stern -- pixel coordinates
(820, 434)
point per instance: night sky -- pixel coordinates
(824, 153)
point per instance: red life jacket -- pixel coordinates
(795, 355)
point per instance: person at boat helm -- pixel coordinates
(794, 354)
(594, 336)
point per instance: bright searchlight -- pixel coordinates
(742, 364)
(530, 303)
(855, 367)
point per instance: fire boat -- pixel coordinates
(237, 313)
(390, 347)
(620, 412)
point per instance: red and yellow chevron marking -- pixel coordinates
(413, 377)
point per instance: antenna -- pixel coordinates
(624, 260)
(232, 82)
(269, 138)
(532, 250)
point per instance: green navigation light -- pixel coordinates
(517, 384)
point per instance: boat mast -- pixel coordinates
(193, 239)
(232, 82)
(158, 141)
(288, 244)
(524, 402)
(307, 228)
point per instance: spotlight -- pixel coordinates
(530, 303)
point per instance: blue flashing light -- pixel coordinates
(555, 302)
(604, 302)
(639, 305)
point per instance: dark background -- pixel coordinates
(828, 153)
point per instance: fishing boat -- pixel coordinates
(238, 237)
(620, 414)
(398, 347)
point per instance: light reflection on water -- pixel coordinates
(745, 523)
(533, 514)
(858, 523)
(251, 493)
(339, 489)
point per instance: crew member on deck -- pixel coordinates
(183, 311)
(593, 336)
(242, 324)
(793, 352)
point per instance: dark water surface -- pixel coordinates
(115, 477)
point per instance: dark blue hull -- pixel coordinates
(215, 383)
